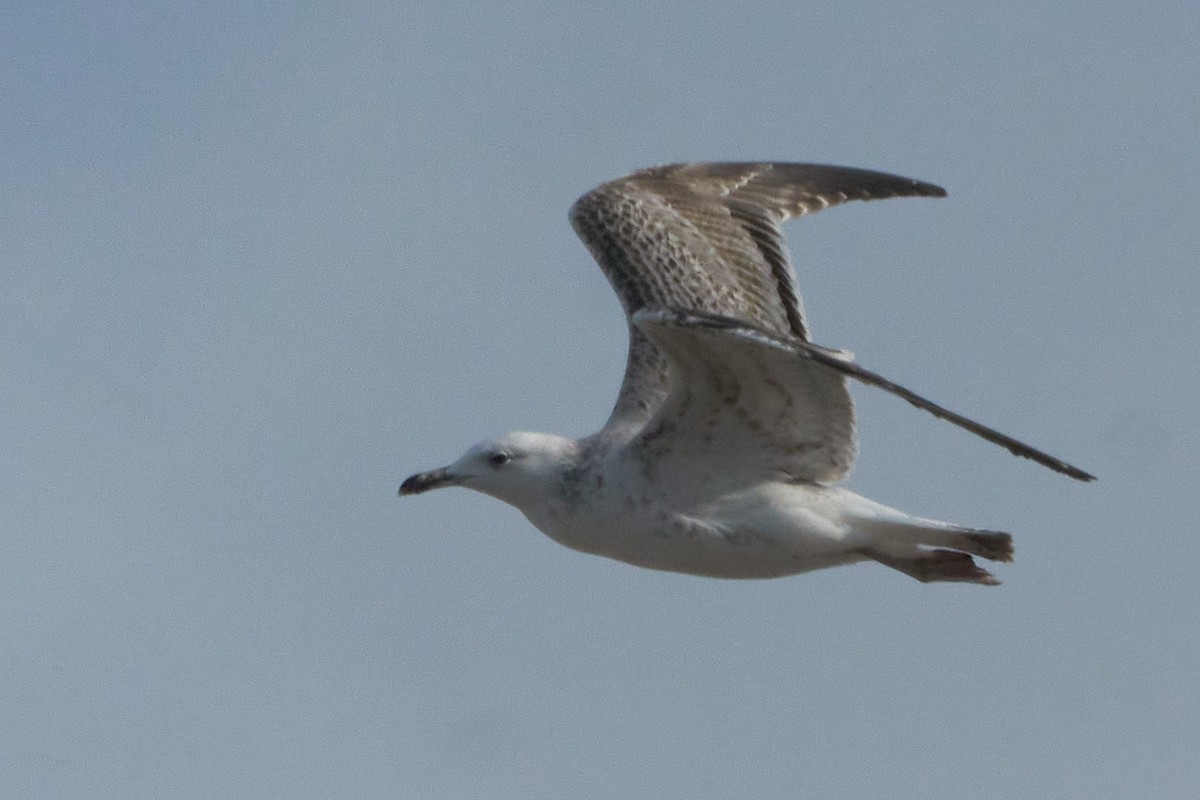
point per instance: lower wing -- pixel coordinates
(835, 360)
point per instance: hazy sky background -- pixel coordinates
(258, 265)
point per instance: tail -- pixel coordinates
(933, 551)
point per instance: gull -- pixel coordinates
(731, 429)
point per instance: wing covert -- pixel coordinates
(706, 237)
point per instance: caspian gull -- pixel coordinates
(731, 428)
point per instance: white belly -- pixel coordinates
(765, 532)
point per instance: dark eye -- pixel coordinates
(499, 459)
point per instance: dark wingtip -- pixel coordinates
(1056, 464)
(928, 189)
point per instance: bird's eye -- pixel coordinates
(499, 459)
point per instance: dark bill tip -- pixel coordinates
(424, 481)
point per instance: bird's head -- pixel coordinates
(517, 468)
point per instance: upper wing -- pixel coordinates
(765, 404)
(706, 237)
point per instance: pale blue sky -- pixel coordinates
(259, 265)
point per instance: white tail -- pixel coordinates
(932, 551)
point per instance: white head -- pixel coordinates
(518, 468)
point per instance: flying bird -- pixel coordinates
(731, 429)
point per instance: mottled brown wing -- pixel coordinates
(706, 237)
